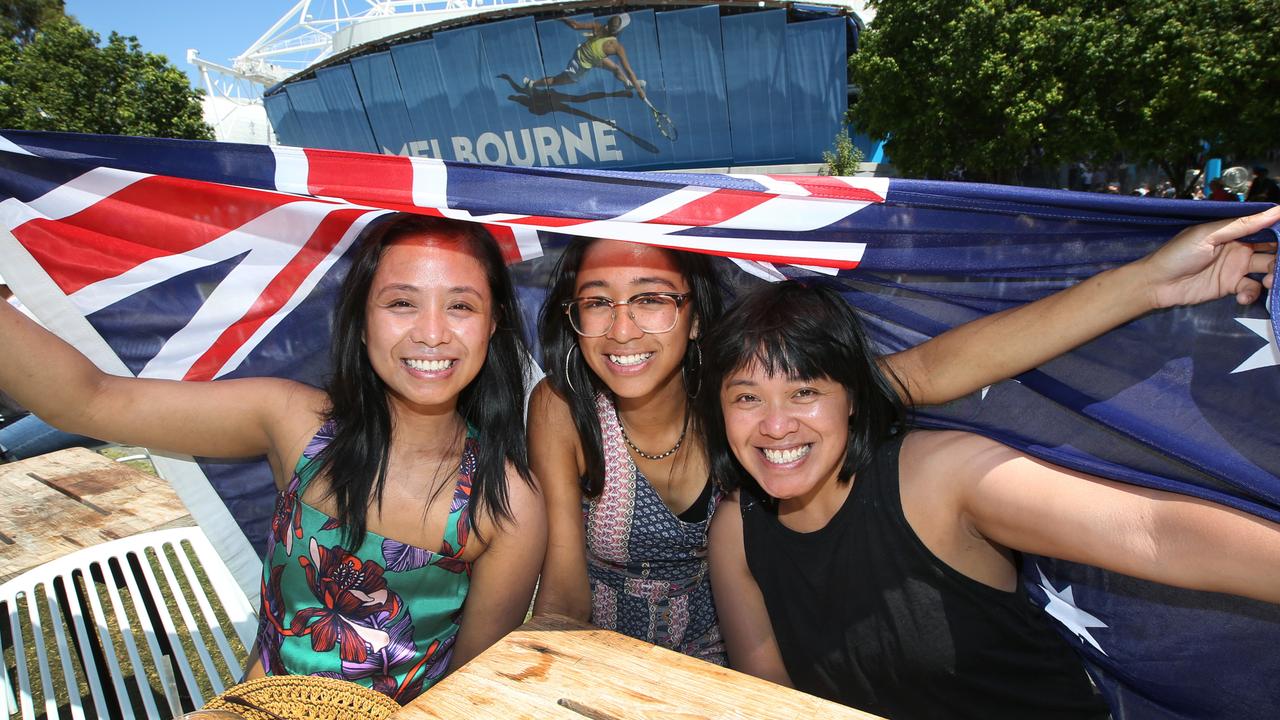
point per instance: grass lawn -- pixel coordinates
(115, 452)
(112, 648)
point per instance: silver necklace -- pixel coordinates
(679, 441)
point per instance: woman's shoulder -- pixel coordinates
(300, 414)
(546, 403)
(726, 524)
(520, 490)
(301, 408)
(525, 510)
(933, 448)
(550, 416)
(936, 468)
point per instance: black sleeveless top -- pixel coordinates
(867, 616)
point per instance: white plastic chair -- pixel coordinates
(104, 646)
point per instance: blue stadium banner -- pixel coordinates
(637, 90)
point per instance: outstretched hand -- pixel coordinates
(1208, 261)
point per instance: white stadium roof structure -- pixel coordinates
(309, 33)
(316, 33)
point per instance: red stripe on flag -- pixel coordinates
(776, 259)
(73, 257)
(506, 243)
(714, 208)
(277, 293)
(830, 187)
(154, 217)
(373, 179)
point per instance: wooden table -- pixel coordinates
(554, 667)
(61, 502)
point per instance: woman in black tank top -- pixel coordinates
(877, 567)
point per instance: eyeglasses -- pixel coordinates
(652, 312)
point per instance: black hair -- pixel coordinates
(356, 458)
(804, 332)
(580, 387)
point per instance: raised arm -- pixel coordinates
(615, 47)
(554, 457)
(504, 576)
(594, 27)
(744, 620)
(1204, 262)
(234, 418)
(1027, 504)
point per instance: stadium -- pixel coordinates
(635, 86)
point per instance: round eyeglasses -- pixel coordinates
(652, 312)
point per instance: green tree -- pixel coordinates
(19, 19)
(844, 159)
(62, 80)
(994, 86)
(1202, 80)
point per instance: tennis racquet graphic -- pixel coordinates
(663, 121)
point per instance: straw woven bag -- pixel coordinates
(302, 697)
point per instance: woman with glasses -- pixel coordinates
(621, 457)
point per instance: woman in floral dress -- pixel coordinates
(405, 491)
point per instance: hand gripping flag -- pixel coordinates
(200, 261)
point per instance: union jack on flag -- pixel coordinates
(196, 260)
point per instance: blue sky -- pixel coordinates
(219, 30)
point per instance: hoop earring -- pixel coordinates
(696, 372)
(568, 379)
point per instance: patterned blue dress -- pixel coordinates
(646, 566)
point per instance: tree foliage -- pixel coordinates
(60, 79)
(990, 87)
(1205, 82)
(844, 159)
(20, 18)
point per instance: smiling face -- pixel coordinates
(632, 363)
(428, 320)
(791, 436)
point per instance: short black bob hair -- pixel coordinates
(357, 456)
(580, 385)
(805, 332)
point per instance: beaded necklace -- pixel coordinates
(661, 456)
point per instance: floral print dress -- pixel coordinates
(384, 614)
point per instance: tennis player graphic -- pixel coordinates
(603, 49)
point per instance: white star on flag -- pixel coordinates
(1268, 355)
(983, 393)
(1062, 606)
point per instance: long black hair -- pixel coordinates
(804, 332)
(356, 458)
(580, 386)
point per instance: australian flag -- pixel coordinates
(201, 261)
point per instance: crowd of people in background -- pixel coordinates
(1262, 187)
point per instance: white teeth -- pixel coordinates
(782, 457)
(625, 360)
(430, 365)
